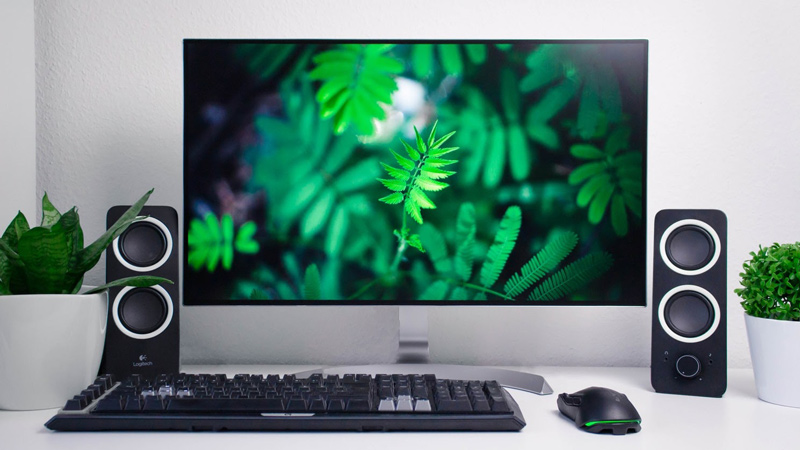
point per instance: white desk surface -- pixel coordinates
(737, 421)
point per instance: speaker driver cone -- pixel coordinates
(689, 314)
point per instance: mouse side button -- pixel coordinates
(613, 427)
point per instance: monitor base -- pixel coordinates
(508, 378)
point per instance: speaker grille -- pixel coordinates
(142, 310)
(689, 314)
(690, 247)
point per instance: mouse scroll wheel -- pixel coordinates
(571, 400)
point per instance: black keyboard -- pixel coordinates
(205, 402)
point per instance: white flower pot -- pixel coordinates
(50, 347)
(775, 352)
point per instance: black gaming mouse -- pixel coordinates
(600, 410)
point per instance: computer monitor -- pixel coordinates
(415, 173)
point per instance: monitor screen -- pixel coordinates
(415, 172)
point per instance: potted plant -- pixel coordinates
(52, 328)
(771, 299)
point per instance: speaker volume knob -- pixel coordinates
(688, 366)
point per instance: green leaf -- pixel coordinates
(412, 152)
(415, 241)
(509, 94)
(451, 59)
(412, 208)
(89, 256)
(572, 277)
(459, 294)
(586, 151)
(465, 241)
(436, 145)
(430, 185)
(418, 196)
(552, 102)
(394, 172)
(544, 261)
(543, 134)
(392, 199)
(393, 184)
(518, 153)
(311, 287)
(496, 158)
(50, 214)
(619, 218)
(355, 79)
(435, 292)
(434, 244)
(226, 226)
(422, 60)
(317, 215)
(137, 281)
(589, 110)
(542, 68)
(337, 231)
(45, 252)
(358, 176)
(590, 189)
(17, 227)
(244, 242)
(597, 208)
(504, 242)
(404, 162)
(586, 171)
(476, 53)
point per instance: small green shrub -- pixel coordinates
(51, 258)
(770, 282)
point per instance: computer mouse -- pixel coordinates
(600, 410)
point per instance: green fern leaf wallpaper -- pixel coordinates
(415, 171)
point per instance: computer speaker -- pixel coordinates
(143, 335)
(689, 354)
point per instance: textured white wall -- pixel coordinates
(17, 111)
(723, 120)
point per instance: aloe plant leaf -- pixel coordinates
(17, 227)
(50, 214)
(137, 281)
(46, 254)
(89, 256)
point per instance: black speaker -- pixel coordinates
(689, 354)
(143, 335)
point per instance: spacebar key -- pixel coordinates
(211, 405)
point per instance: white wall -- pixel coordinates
(17, 111)
(723, 124)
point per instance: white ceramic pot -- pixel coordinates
(50, 347)
(775, 352)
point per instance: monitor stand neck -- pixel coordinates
(413, 357)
